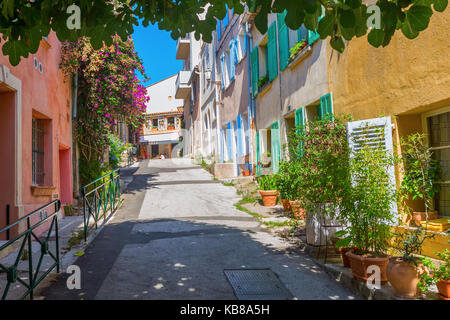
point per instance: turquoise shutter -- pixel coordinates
(283, 39)
(272, 51)
(299, 123)
(226, 20)
(236, 50)
(233, 60)
(276, 146)
(222, 65)
(255, 70)
(258, 155)
(326, 106)
(313, 36)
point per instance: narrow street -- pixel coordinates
(174, 236)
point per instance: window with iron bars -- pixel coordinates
(38, 152)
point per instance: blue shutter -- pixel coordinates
(283, 40)
(276, 146)
(239, 136)
(255, 70)
(232, 60)
(226, 20)
(219, 30)
(222, 65)
(221, 153)
(229, 141)
(272, 53)
(236, 50)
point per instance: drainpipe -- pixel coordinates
(251, 97)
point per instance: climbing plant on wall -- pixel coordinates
(109, 92)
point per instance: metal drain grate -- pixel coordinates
(257, 284)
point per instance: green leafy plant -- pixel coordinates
(268, 182)
(321, 153)
(290, 180)
(410, 243)
(432, 273)
(116, 148)
(420, 171)
(262, 81)
(24, 23)
(296, 49)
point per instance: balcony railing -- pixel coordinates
(183, 48)
(183, 85)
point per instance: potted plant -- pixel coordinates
(420, 171)
(404, 272)
(283, 185)
(439, 275)
(338, 239)
(368, 210)
(268, 190)
(321, 150)
(296, 49)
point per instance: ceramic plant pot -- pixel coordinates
(269, 197)
(246, 173)
(404, 277)
(359, 265)
(345, 259)
(298, 210)
(417, 217)
(444, 289)
(286, 205)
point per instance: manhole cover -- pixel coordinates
(257, 284)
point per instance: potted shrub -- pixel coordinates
(439, 275)
(283, 185)
(404, 272)
(420, 171)
(368, 210)
(268, 190)
(321, 150)
(290, 187)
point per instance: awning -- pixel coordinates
(164, 138)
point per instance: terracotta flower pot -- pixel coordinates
(246, 172)
(404, 277)
(444, 289)
(286, 205)
(421, 216)
(269, 197)
(297, 209)
(345, 259)
(359, 265)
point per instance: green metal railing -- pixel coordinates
(101, 198)
(26, 238)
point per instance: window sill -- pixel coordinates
(301, 55)
(266, 88)
(42, 190)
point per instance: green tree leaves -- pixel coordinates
(342, 19)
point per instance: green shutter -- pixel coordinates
(258, 155)
(255, 70)
(272, 51)
(313, 36)
(299, 121)
(276, 146)
(283, 39)
(326, 106)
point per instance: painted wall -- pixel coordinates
(407, 76)
(47, 95)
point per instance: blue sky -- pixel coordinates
(157, 50)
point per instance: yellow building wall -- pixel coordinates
(407, 76)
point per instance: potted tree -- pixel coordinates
(268, 190)
(321, 150)
(368, 211)
(290, 187)
(439, 275)
(420, 171)
(404, 273)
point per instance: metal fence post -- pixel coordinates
(83, 195)
(30, 260)
(7, 222)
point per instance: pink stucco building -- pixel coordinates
(35, 132)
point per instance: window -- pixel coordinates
(263, 67)
(154, 123)
(241, 43)
(177, 123)
(171, 123)
(38, 152)
(439, 140)
(162, 124)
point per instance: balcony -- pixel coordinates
(183, 48)
(183, 85)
